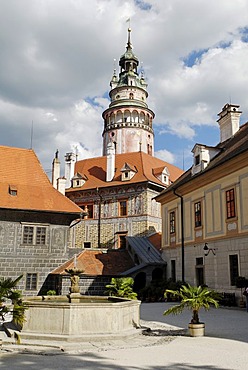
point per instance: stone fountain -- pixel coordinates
(80, 318)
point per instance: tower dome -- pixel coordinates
(128, 120)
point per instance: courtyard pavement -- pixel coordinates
(165, 346)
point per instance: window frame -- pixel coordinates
(198, 214)
(172, 221)
(230, 203)
(31, 281)
(34, 234)
(121, 208)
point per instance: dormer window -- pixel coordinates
(78, 180)
(197, 160)
(162, 174)
(127, 172)
(202, 156)
(13, 190)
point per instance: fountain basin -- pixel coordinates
(83, 318)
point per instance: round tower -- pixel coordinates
(128, 120)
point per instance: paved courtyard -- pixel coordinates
(224, 347)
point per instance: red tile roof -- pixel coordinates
(95, 170)
(21, 171)
(99, 262)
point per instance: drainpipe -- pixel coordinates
(182, 231)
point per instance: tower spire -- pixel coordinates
(128, 120)
(129, 44)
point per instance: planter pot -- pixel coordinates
(196, 330)
(242, 303)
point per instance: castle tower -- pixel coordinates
(128, 120)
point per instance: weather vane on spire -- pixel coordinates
(129, 23)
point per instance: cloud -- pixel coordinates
(55, 68)
(165, 155)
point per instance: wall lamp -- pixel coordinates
(208, 250)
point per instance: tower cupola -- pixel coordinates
(128, 120)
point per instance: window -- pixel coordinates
(198, 221)
(41, 235)
(31, 281)
(173, 270)
(230, 203)
(87, 245)
(234, 268)
(172, 222)
(88, 208)
(28, 235)
(34, 235)
(123, 208)
(197, 159)
(199, 271)
(122, 241)
(13, 190)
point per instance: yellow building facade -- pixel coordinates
(205, 212)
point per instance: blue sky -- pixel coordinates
(55, 70)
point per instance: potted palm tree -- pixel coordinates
(194, 298)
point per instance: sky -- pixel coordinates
(57, 59)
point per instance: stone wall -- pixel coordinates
(19, 259)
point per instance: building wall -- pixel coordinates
(224, 236)
(143, 216)
(17, 259)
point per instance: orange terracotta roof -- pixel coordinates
(99, 262)
(95, 170)
(22, 173)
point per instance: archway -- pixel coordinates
(139, 281)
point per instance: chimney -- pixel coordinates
(55, 169)
(228, 121)
(70, 159)
(61, 185)
(110, 161)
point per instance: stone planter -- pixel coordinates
(196, 330)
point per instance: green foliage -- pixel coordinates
(194, 298)
(121, 287)
(51, 292)
(155, 290)
(9, 293)
(241, 282)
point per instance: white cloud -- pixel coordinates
(55, 67)
(165, 155)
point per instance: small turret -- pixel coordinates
(70, 159)
(110, 161)
(55, 169)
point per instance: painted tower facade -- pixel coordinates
(128, 120)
